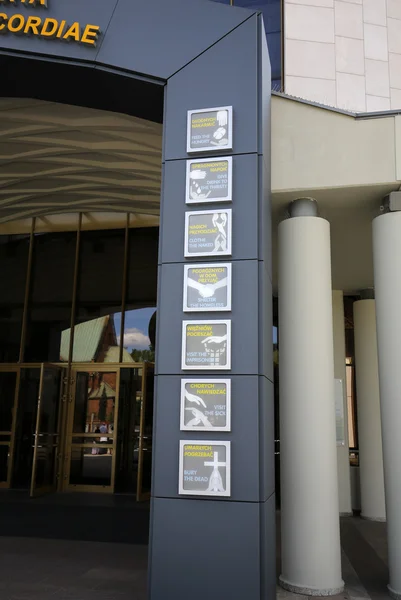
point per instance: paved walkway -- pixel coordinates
(44, 569)
(364, 561)
(53, 569)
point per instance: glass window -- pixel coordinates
(49, 308)
(99, 295)
(137, 343)
(142, 267)
(14, 251)
(28, 394)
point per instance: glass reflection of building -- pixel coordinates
(70, 296)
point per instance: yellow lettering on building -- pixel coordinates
(29, 2)
(74, 31)
(47, 28)
(61, 28)
(16, 23)
(32, 25)
(90, 34)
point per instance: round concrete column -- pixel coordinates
(343, 466)
(387, 277)
(311, 557)
(369, 420)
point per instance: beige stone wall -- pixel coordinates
(344, 53)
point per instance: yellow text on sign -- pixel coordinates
(48, 28)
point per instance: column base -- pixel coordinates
(377, 519)
(305, 591)
(393, 593)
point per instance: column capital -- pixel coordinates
(303, 207)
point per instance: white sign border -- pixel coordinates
(229, 146)
(182, 491)
(227, 383)
(226, 308)
(227, 198)
(189, 213)
(185, 367)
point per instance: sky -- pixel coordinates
(136, 328)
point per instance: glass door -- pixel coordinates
(145, 435)
(92, 431)
(46, 436)
(8, 403)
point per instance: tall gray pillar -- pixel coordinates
(218, 546)
(387, 278)
(310, 530)
(371, 475)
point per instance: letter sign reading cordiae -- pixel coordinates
(204, 468)
(208, 233)
(46, 27)
(205, 405)
(207, 287)
(209, 180)
(206, 345)
(210, 129)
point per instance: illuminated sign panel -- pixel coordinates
(47, 28)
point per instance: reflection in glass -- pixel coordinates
(14, 251)
(98, 296)
(8, 381)
(147, 434)
(7, 394)
(136, 343)
(49, 307)
(129, 413)
(4, 458)
(94, 408)
(28, 395)
(47, 437)
(142, 259)
(90, 469)
(46, 455)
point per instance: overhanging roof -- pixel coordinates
(348, 163)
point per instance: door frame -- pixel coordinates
(11, 368)
(40, 491)
(143, 445)
(65, 422)
(68, 441)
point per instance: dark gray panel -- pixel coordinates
(159, 38)
(206, 550)
(268, 548)
(249, 424)
(94, 12)
(265, 224)
(265, 100)
(245, 214)
(228, 72)
(244, 317)
(222, 529)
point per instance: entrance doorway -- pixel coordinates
(76, 354)
(87, 429)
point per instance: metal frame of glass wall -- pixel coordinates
(69, 367)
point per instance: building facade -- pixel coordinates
(236, 171)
